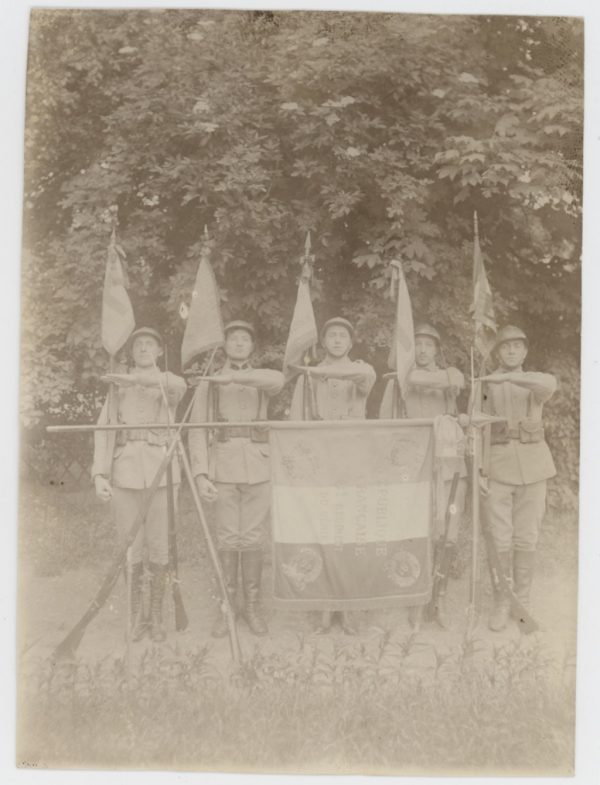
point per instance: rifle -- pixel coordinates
(226, 606)
(438, 576)
(527, 622)
(475, 506)
(66, 648)
(181, 617)
(181, 620)
(313, 402)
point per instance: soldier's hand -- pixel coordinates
(206, 489)
(103, 488)
(494, 378)
(464, 420)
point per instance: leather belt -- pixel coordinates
(254, 433)
(141, 435)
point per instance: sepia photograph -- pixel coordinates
(300, 381)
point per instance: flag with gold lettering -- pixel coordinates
(351, 510)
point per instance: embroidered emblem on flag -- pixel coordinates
(351, 510)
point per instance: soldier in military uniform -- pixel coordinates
(124, 467)
(232, 469)
(335, 389)
(432, 391)
(519, 463)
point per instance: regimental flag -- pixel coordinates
(118, 320)
(402, 353)
(204, 325)
(482, 307)
(351, 511)
(303, 329)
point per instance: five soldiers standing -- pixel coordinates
(231, 463)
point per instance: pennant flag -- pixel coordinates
(402, 353)
(204, 324)
(482, 307)
(303, 329)
(118, 320)
(351, 511)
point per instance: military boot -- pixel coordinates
(158, 575)
(415, 616)
(445, 559)
(325, 624)
(523, 567)
(252, 562)
(139, 622)
(499, 618)
(348, 624)
(229, 562)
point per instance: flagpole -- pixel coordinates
(483, 316)
(475, 511)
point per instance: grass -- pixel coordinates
(308, 710)
(389, 704)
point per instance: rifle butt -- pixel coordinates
(181, 617)
(66, 649)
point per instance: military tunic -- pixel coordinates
(334, 399)
(236, 459)
(520, 462)
(421, 401)
(136, 457)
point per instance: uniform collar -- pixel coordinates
(235, 366)
(432, 366)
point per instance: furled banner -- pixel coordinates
(352, 509)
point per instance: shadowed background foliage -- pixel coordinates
(379, 133)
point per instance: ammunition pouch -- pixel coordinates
(527, 432)
(531, 431)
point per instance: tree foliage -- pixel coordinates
(379, 133)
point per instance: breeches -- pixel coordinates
(154, 532)
(515, 513)
(242, 515)
(455, 517)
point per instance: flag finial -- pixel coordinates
(475, 226)
(307, 259)
(206, 244)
